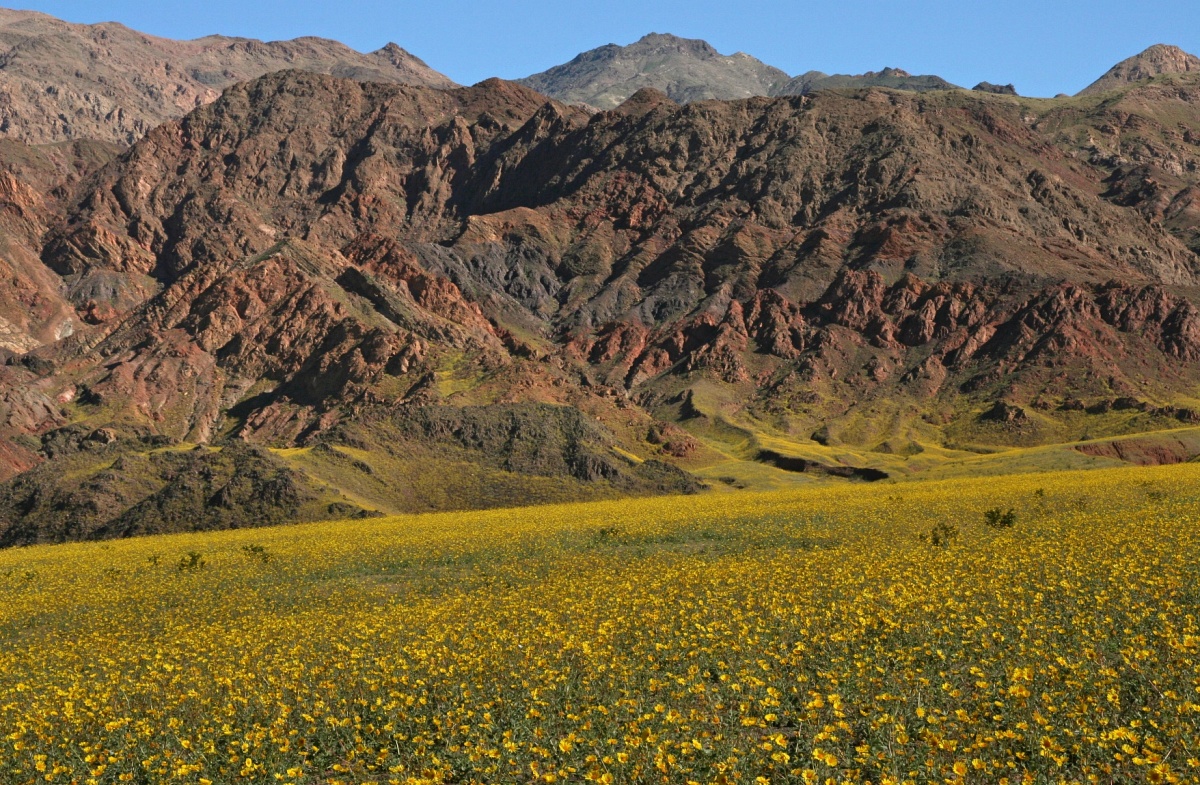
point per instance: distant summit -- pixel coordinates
(687, 69)
(1157, 60)
(995, 89)
(895, 78)
(684, 69)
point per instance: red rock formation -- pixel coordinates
(306, 247)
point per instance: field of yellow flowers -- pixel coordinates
(817, 635)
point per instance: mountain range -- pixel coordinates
(691, 70)
(61, 81)
(315, 296)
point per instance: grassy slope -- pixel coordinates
(735, 439)
(659, 638)
(427, 479)
(375, 480)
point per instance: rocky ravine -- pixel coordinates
(307, 254)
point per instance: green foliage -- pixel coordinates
(608, 535)
(191, 562)
(941, 535)
(256, 552)
(997, 518)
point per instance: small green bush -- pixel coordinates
(191, 562)
(1000, 519)
(942, 535)
(256, 553)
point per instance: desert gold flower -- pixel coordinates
(796, 636)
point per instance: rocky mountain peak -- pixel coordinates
(995, 89)
(402, 58)
(1158, 60)
(666, 42)
(893, 78)
(685, 69)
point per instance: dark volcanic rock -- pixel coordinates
(791, 464)
(996, 89)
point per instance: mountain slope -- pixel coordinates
(1158, 60)
(62, 81)
(33, 300)
(685, 69)
(816, 283)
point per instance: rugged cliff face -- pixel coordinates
(33, 307)
(872, 268)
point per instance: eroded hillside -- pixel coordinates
(869, 275)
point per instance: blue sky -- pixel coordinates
(1044, 47)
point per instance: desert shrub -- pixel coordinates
(256, 553)
(191, 561)
(941, 535)
(997, 518)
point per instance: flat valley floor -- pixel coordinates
(1029, 628)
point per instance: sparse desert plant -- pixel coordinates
(942, 534)
(191, 561)
(256, 553)
(607, 535)
(997, 518)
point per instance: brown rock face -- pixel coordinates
(34, 303)
(62, 81)
(306, 250)
(1157, 60)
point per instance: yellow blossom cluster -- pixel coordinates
(813, 635)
